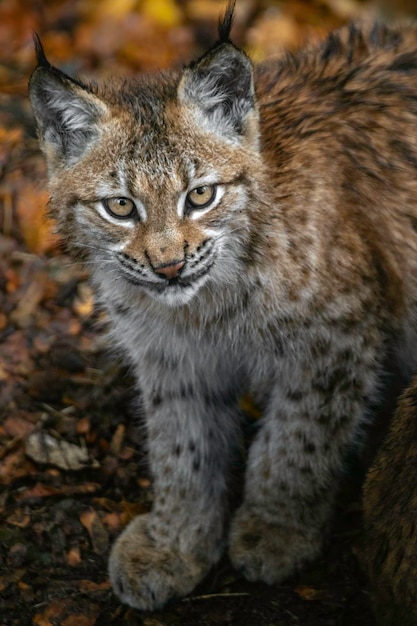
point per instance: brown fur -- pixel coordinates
(296, 282)
(389, 551)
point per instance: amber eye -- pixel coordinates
(201, 197)
(119, 207)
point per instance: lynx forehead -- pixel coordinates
(249, 229)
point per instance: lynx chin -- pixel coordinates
(250, 229)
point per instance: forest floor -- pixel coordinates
(72, 464)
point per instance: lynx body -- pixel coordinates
(249, 230)
(389, 550)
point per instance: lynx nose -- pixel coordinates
(170, 270)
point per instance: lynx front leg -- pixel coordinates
(293, 466)
(166, 553)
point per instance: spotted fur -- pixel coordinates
(292, 285)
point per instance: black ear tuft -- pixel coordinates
(218, 89)
(44, 63)
(66, 111)
(226, 22)
(40, 53)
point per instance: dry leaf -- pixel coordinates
(14, 465)
(112, 521)
(91, 585)
(43, 448)
(51, 612)
(43, 491)
(117, 439)
(74, 556)
(97, 531)
(17, 426)
(79, 620)
(309, 593)
(19, 518)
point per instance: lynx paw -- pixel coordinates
(269, 552)
(145, 576)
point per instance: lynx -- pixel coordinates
(389, 545)
(250, 229)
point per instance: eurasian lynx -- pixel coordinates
(389, 544)
(249, 230)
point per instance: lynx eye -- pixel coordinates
(119, 207)
(201, 197)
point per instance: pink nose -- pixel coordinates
(170, 270)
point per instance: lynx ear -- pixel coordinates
(219, 90)
(66, 112)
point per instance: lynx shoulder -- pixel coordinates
(249, 229)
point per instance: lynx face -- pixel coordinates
(151, 182)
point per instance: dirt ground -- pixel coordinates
(72, 462)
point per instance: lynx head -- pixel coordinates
(152, 179)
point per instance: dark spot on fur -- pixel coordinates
(250, 540)
(295, 396)
(196, 464)
(121, 309)
(156, 400)
(309, 447)
(186, 391)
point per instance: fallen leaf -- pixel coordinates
(309, 593)
(145, 483)
(79, 620)
(83, 426)
(91, 585)
(112, 521)
(39, 491)
(43, 448)
(17, 426)
(117, 439)
(98, 532)
(53, 611)
(44, 491)
(14, 465)
(74, 556)
(19, 518)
